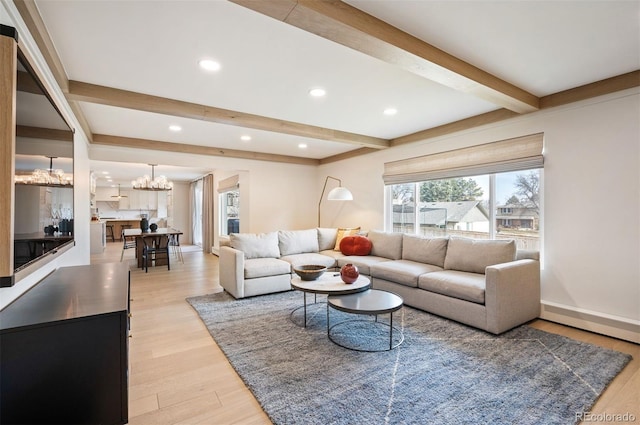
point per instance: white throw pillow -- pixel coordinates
(256, 245)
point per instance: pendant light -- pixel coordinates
(119, 195)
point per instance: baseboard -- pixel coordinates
(614, 326)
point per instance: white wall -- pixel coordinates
(591, 233)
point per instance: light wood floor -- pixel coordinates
(178, 375)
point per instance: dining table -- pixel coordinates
(140, 236)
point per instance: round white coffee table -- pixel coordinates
(371, 302)
(329, 283)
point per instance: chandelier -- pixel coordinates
(152, 183)
(47, 177)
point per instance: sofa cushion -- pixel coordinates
(262, 267)
(309, 258)
(355, 245)
(297, 241)
(404, 272)
(331, 253)
(326, 238)
(456, 284)
(474, 256)
(363, 263)
(256, 245)
(424, 250)
(386, 244)
(342, 232)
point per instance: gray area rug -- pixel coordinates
(443, 373)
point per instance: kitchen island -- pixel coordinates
(121, 223)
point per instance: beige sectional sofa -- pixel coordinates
(487, 284)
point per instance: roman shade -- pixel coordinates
(521, 153)
(229, 184)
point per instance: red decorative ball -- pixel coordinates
(349, 273)
(355, 245)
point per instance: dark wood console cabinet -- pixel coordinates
(64, 349)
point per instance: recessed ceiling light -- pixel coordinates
(209, 65)
(105, 172)
(390, 111)
(175, 127)
(246, 138)
(317, 92)
(302, 145)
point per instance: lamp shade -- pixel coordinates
(340, 194)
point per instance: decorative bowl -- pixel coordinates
(309, 271)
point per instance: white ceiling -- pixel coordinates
(268, 66)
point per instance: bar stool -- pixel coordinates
(110, 232)
(174, 244)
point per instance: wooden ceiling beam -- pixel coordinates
(154, 145)
(31, 16)
(353, 28)
(44, 133)
(85, 92)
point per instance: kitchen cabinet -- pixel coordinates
(64, 348)
(125, 201)
(142, 200)
(106, 194)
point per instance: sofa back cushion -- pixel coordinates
(355, 245)
(386, 244)
(424, 250)
(298, 241)
(326, 238)
(474, 255)
(256, 245)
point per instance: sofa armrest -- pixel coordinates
(231, 271)
(512, 294)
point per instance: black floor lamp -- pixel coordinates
(336, 194)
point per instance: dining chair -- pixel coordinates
(128, 242)
(154, 245)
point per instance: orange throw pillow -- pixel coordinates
(355, 245)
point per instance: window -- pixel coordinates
(229, 201)
(488, 191)
(229, 212)
(465, 206)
